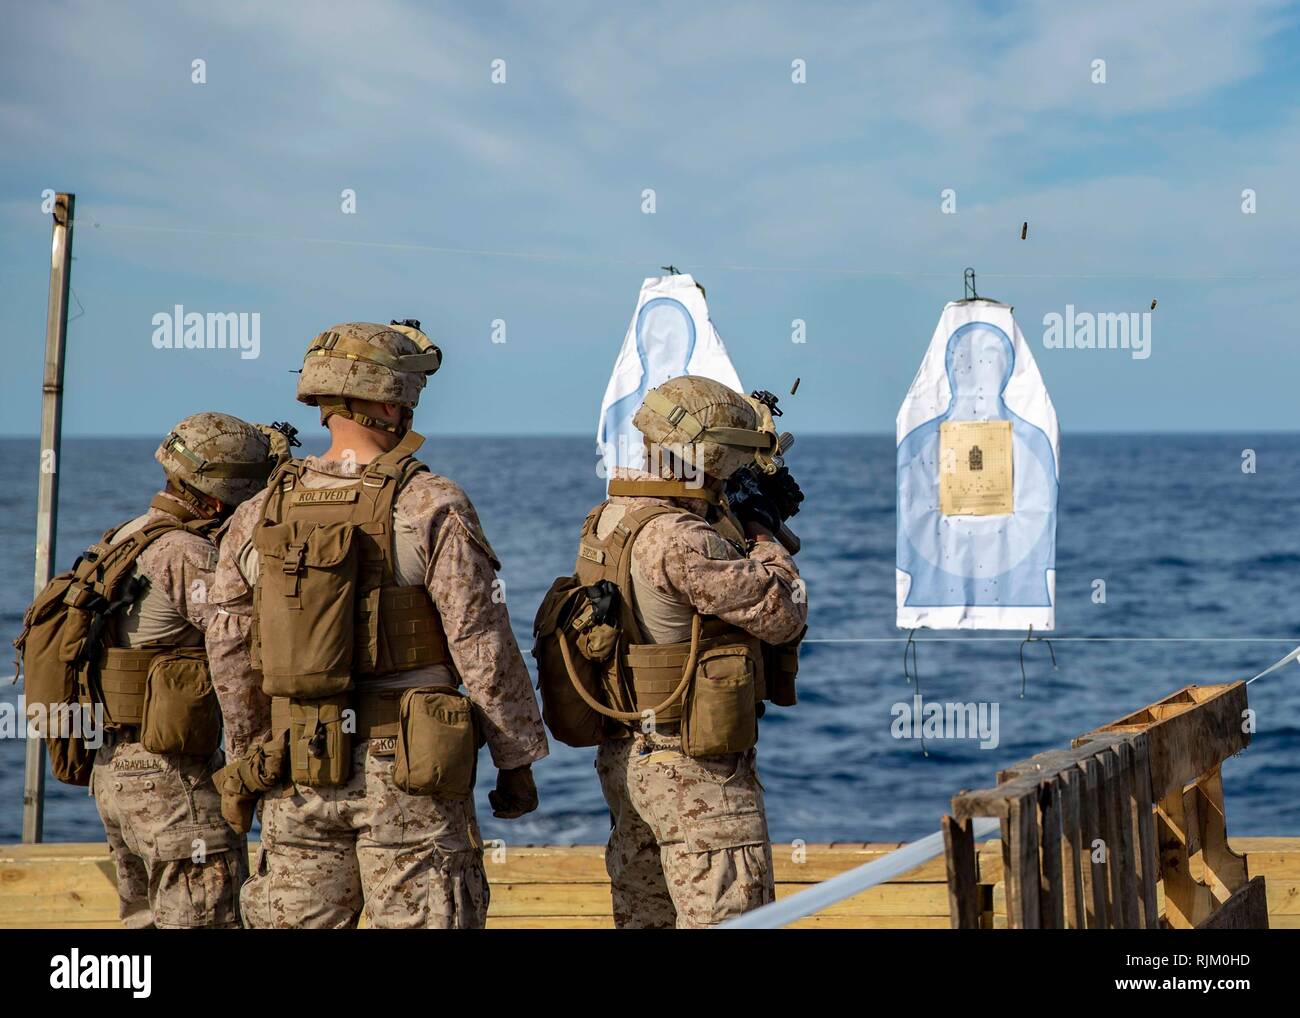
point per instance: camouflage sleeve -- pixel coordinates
(760, 592)
(461, 579)
(245, 709)
(181, 565)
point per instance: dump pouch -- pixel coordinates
(180, 712)
(320, 740)
(719, 715)
(437, 745)
(565, 713)
(71, 760)
(305, 607)
(780, 666)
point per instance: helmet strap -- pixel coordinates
(193, 499)
(342, 406)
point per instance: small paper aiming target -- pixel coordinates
(976, 468)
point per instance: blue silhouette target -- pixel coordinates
(965, 571)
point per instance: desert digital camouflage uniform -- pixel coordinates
(408, 860)
(178, 862)
(689, 844)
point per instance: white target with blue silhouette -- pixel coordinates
(987, 562)
(670, 336)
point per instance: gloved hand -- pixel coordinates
(243, 780)
(783, 490)
(758, 507)
(237, 803)
(515, 794)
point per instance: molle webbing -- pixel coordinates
(656, 668)
(121, 682)
(410, 632)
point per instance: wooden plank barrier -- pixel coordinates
(1126, 829)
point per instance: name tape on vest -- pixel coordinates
(325, 496)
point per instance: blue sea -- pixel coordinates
(1200, 562)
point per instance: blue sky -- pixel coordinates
(818, 201)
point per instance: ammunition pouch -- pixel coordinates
(320, 740)
(437, 743)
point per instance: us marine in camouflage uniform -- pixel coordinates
(328, 852)
(689, 843)
(178, 862)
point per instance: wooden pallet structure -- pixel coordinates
(1124, 830)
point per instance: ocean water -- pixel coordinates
(1200, 562)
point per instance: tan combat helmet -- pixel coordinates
(221, 456)
(707, 424)
(362, 360)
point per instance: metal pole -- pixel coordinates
(47, 497)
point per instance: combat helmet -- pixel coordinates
(706, 424)
(221, 456)
(364, 360)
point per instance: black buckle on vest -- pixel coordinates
(603, 598)
(293, 559)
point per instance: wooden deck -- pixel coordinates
(545, 887)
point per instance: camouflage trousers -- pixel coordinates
(410, 861)
(179, 865)
(688, 845)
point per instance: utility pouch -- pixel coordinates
(719, 715)
(437, 747)
(568, 716)
(320, 740)
(180, 712)
(595, 621)
(305, 607)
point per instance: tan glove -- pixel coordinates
(237, 803)
(242, 782)
(515, 794)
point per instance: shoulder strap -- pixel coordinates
(283, 479)
(122, 557)
(660, 488)
(618, 559)
(392, 463)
